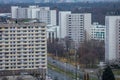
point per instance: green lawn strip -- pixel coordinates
(70, 74)
(117, 79)
(94, 79)
(55, 68)
(116, 72)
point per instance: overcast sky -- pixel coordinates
(7, 1)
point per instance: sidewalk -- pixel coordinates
(25, 77)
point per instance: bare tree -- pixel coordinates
(56, 48)
(90, 53)
(68, 43)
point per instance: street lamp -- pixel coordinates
(75, 64)
(65, 70)
(76, 57)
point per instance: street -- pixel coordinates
(61, 65)
(57, 76)
(67, 67)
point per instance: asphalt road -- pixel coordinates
(57, 76)
(67, 67)
(62, 65)
(71, 68)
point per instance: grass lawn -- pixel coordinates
(116, 72)
(117, 79)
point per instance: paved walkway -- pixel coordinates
(15, 77)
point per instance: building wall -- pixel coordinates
(47, 16)
(23, 46)
(53, 17)
(44, 14)
(78, 27)
(22, 13)
(34, 12)
(112, 38)
(87, 25)
(63, 23)
(14, 11)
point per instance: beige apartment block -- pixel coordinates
(23, 46)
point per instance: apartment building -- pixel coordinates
(47, 16)
(78, 27)
(23, 46)
(112, 42)
(98, 31)
(63, 23)
(43, 14)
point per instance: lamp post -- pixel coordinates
(76, 59)
(75, 64)
(65, 70)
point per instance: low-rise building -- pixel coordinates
(98, 31)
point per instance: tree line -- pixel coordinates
(89, 53)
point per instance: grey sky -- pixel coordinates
(20, 1)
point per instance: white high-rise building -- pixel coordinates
(23, 46)
(112, 42)
(98, 31)
(22, 13)
(14, 11)
(63, 23)
(43, 14)
(78, 27)
(53, 17)
(47, 16)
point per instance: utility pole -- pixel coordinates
(75, 60)
(75, 64)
